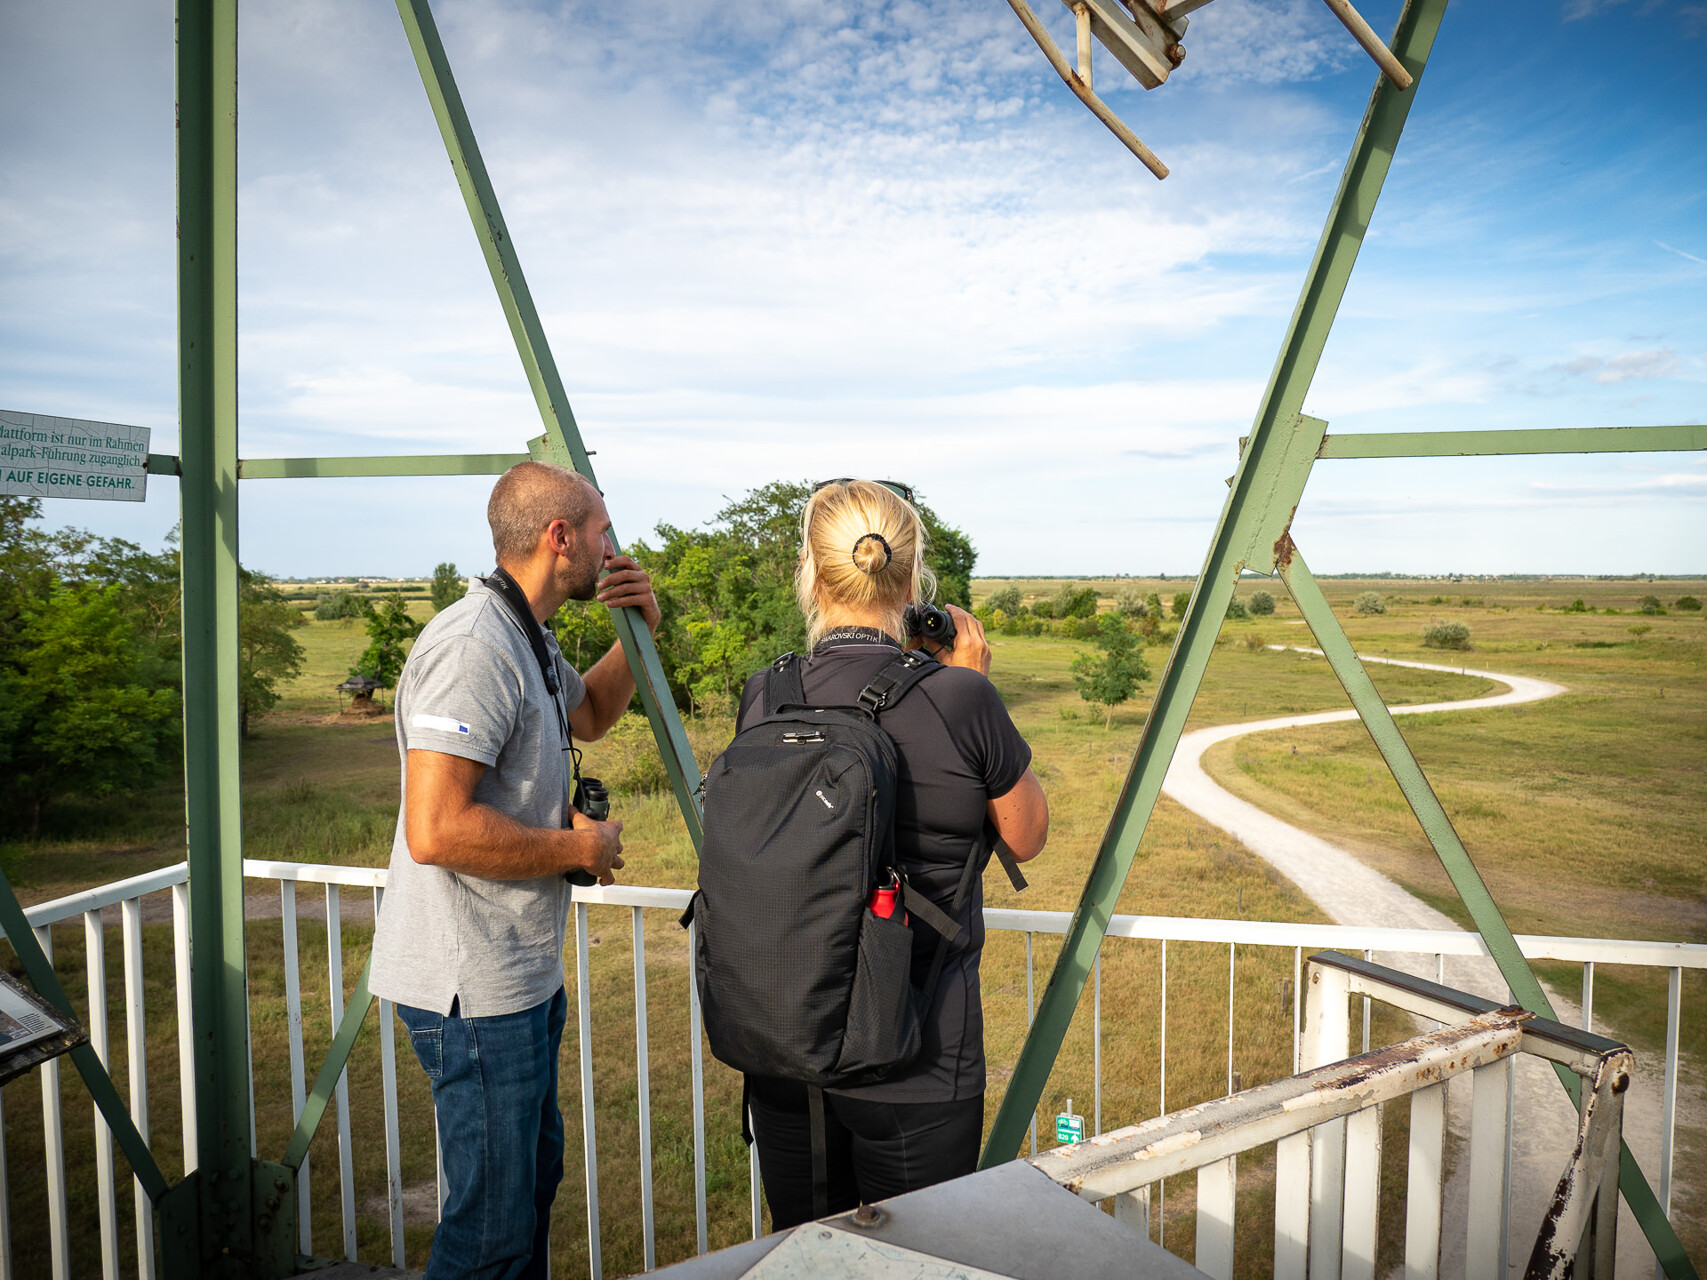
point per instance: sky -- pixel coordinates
(793, 239)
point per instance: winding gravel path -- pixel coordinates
(1354, 894)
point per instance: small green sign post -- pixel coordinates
(1069, 1127)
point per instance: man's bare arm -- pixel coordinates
(446, 827)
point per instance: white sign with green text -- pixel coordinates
(43, 457)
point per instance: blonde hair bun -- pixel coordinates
(865, 553)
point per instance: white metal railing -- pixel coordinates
(128, 896)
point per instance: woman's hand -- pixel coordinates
(970, 647)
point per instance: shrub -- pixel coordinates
(341, 604)
(1687, 604)
(1129, 602)
(1043, 609)
(1256, 643)
(1261, 604)
(1639, 631)
(1371, 602)
(1075, 602)
(1007, 601)
(1651, 605)
(1180, 601)
(1447, 635)
(1576, 606)
(1236, 608)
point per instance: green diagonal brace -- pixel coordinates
(1472, 891)
(88, 1062)
(337, 1058)
(562, 442)
(1266, 488)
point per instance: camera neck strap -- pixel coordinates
(510, 592)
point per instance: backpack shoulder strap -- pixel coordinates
(890, 684)
(783, 685)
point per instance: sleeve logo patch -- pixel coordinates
(443, 723)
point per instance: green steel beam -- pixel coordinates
(562, 441)
(441, 464)
(162, 464)
(39, 969)
(1470, 444)
(1472, 890)
(361, 1000)
(1266, 488)
(207, 393)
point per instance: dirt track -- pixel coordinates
(1354, 894)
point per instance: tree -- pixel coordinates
(1008, 600)
(951, 556)
(1180, 601)
(1110, 678)
(1261, 604)
(81, 711)
(266, 651)
(726, 590)
(1651, 605)
(388, 626)
(448, 586)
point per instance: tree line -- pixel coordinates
(91, 681)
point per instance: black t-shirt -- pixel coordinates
(957, 748)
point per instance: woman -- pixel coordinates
(965, 781)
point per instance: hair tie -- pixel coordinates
(888, 554)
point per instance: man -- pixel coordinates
(469, 943)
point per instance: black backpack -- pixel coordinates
(798, 978)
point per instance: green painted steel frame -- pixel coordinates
(1476, 444)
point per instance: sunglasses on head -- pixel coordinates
(902, 491)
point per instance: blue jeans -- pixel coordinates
(495, 1091)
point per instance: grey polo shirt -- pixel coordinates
(472, 688)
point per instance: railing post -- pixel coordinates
(1327, 1038)
(1424, 1183)
(1483, 1242)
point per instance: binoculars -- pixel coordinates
(592, 798)
(928, 622)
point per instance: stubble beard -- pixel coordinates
(585, 584)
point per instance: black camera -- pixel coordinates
(927, 622)
(592, 798)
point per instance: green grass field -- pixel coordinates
(1584, 812)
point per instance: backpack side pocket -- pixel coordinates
(883, 1029)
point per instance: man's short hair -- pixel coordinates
(527, 498)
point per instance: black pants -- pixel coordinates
(874, 1149)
